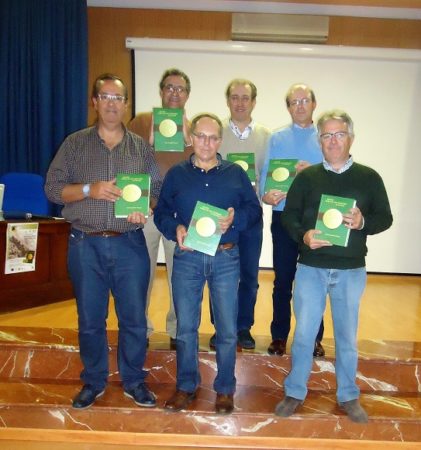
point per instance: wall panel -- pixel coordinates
(363, 32)
(109, 27)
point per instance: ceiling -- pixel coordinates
(392, 9)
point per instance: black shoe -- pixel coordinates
(245, 340)
(141, 395)
(354, 411)
(287, 406)
(173, 343)
(319, 351)
(212, 342)
(87, 397)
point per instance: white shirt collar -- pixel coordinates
(343, 169)
(242, 135)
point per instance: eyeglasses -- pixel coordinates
(111, 98)
(171, 88)
(300, 101)
(339, 135)
(202, 138)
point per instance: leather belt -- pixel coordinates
(226, 246)
(104, 233)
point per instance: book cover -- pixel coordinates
(281, 174)
(204, 233)
(168, 130)
(246, 162)
(330, 220)
(135, 195)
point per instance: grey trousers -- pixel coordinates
(153, 236)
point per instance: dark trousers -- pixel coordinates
(285, 254)
(250, 247)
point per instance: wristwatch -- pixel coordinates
(86, 190)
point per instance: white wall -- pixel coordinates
(379, 88)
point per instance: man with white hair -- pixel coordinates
(326, 269)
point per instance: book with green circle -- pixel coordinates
(135, 194)
(246, 161)
(330, 219)
(168, 129)
(204, 233)
(281, 174)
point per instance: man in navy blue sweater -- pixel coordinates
(209, 179)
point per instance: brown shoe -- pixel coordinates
(180, 400)
(319, 351)
(224, 403)
(277, 347)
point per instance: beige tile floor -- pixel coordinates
(390, 309)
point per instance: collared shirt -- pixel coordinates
(291, 142)
(193, 161)
(255, 143)
(84, 158)
(225, 185)
(241, 134)
(343, 169)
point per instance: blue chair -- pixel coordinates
(24, 192)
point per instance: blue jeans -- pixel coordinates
(250, 247)
(98, 265)
(345, 288)
(285, 255)
(191, 270)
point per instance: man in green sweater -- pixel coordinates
(324, 268)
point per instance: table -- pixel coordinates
(49, 282)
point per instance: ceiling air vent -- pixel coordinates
(289, 28)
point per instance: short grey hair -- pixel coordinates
(335, 114)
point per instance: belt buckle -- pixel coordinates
(226, 246)
(110, 234)
(104, 233)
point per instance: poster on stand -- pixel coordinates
(21, 246)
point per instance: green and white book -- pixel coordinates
(204, 233)
(168, 129)
(281, 174)
(135, 195)
(330, 219)
(246, 161)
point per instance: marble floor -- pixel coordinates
(39, 375)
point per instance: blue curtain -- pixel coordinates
(43, 79)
